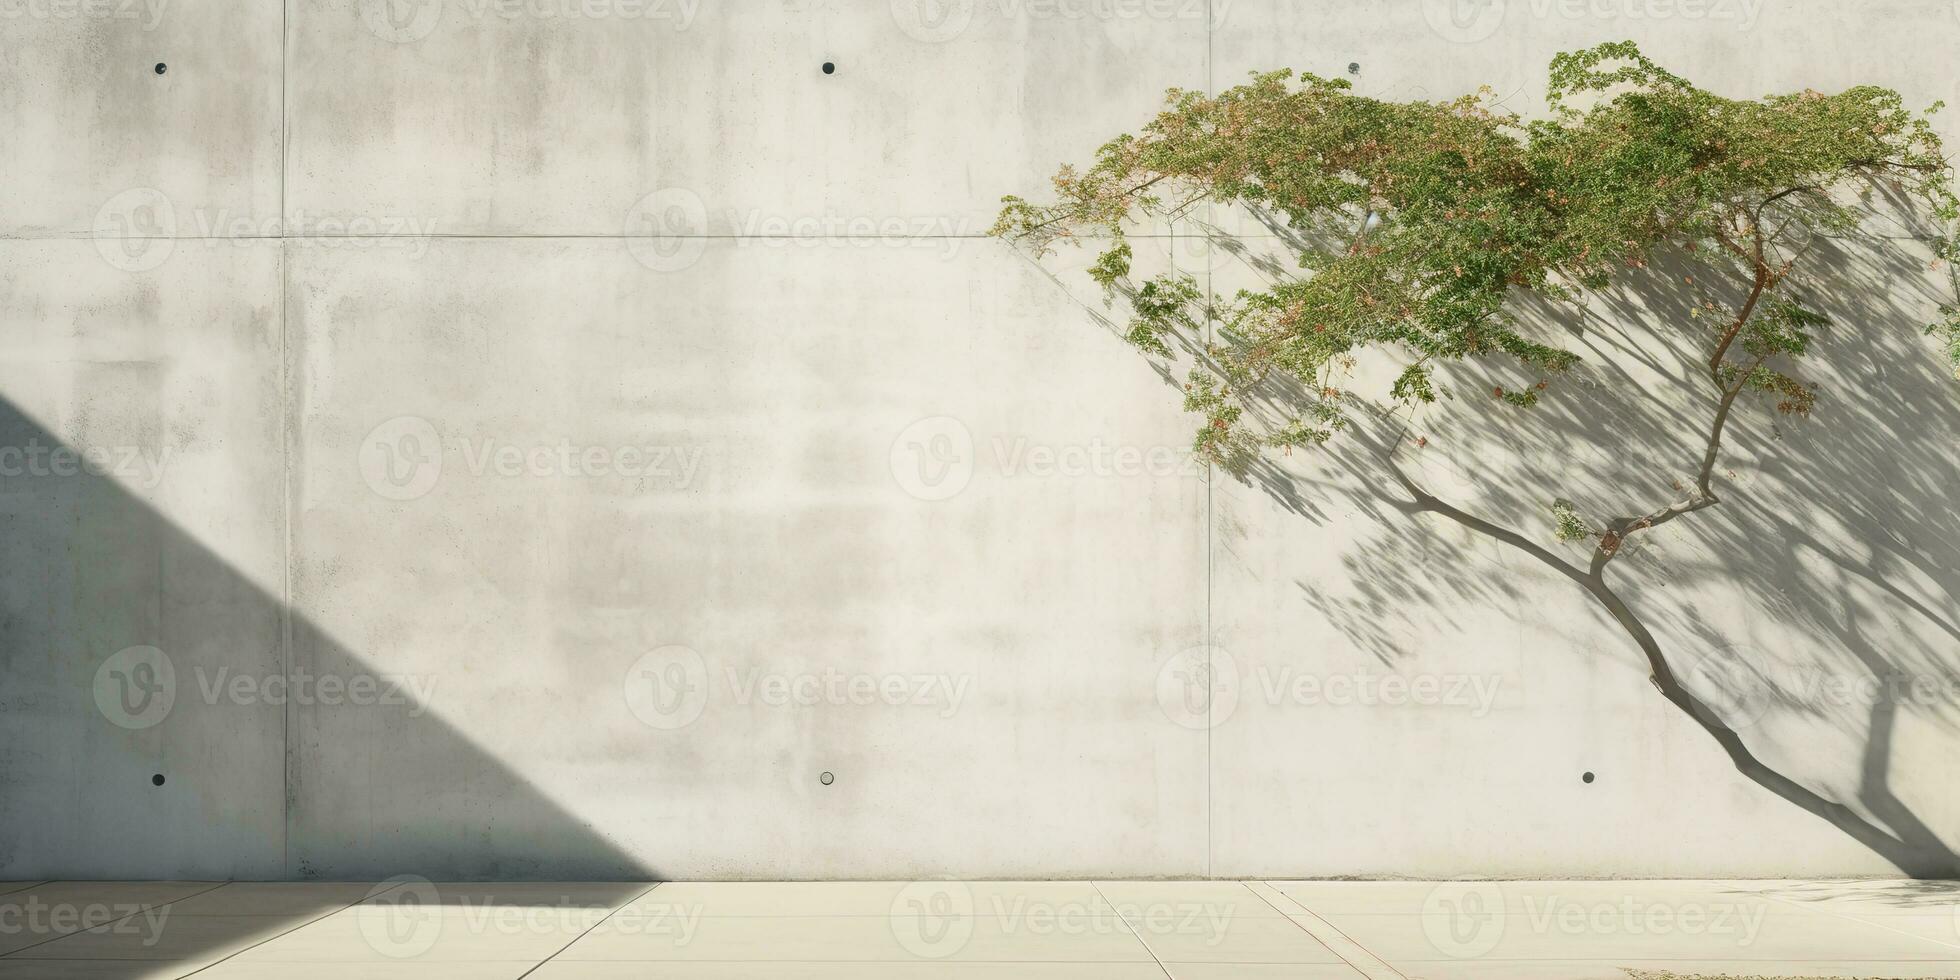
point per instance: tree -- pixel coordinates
(1419, 226)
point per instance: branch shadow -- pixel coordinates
(1812, 613)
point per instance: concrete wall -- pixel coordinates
(590, 440)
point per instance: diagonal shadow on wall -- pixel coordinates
(117, 764)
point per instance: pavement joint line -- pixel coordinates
(371, 894)
(535, 967)
(111, 922)
(1097, 885)
(1874, 921)
(1337, 942)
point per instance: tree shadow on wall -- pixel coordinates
(1838, 528)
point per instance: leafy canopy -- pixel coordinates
(1419, 223)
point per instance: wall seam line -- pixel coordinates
(285, 470)
(1211, 477)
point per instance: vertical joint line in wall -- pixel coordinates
(1210, 474)
(285, 7)
(1210, 481)
(286, 421)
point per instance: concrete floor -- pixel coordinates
(1188, 930)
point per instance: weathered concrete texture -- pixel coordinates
(472, 119)
(87, 116)
(594, 555)
(167, 385)
(777, 531)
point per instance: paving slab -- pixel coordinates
(41, 915)
(433, 935)
(157, 935)
(782, 970)
(923, 937)
(116, 969)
